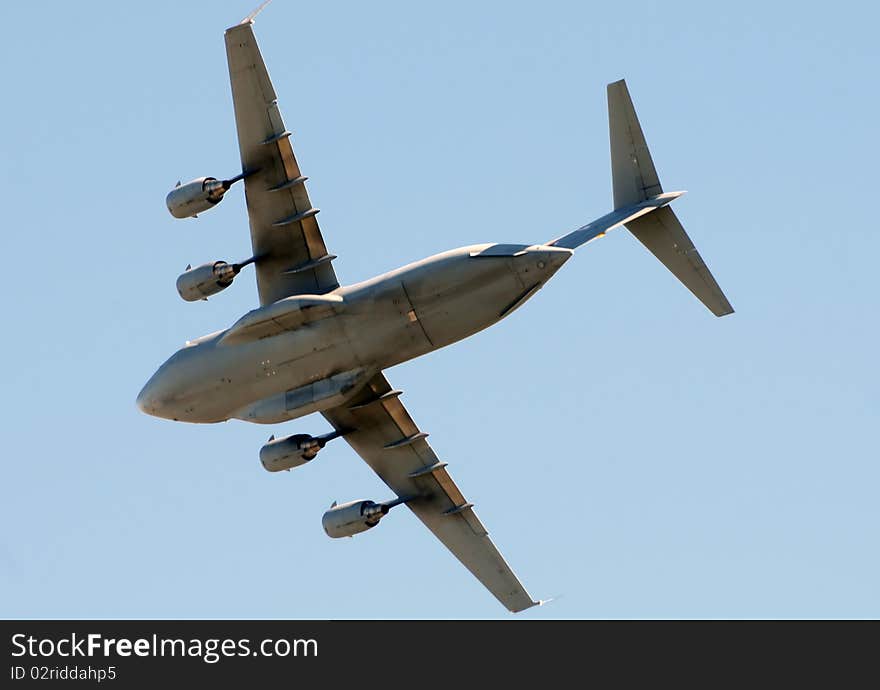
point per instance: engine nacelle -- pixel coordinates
(203, 281)
(349, 519)
(192, 198)
(286, 453)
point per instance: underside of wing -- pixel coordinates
(376, 424)
(291, 257)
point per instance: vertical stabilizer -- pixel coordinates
(632, 170)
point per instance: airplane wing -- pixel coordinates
(381, 431)
(291, 257)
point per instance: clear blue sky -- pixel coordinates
(628, 452)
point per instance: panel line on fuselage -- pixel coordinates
(413, 310)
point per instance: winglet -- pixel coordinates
(532, 605)
(250, 18)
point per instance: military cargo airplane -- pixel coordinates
(315, 346)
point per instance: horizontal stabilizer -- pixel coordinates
(597, 228)
(662, 233)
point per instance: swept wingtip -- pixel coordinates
(532, 605)
(250, 18)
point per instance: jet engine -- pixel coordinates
(349, 519)
(201, 194)
(286, 453)
(208, 279)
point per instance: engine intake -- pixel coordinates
(208, 279)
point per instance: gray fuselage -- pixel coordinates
(367, 327)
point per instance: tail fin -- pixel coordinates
(636, 182)
(632, 171)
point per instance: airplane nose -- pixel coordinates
(145, 401)
(159, 396)
(150, 399)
